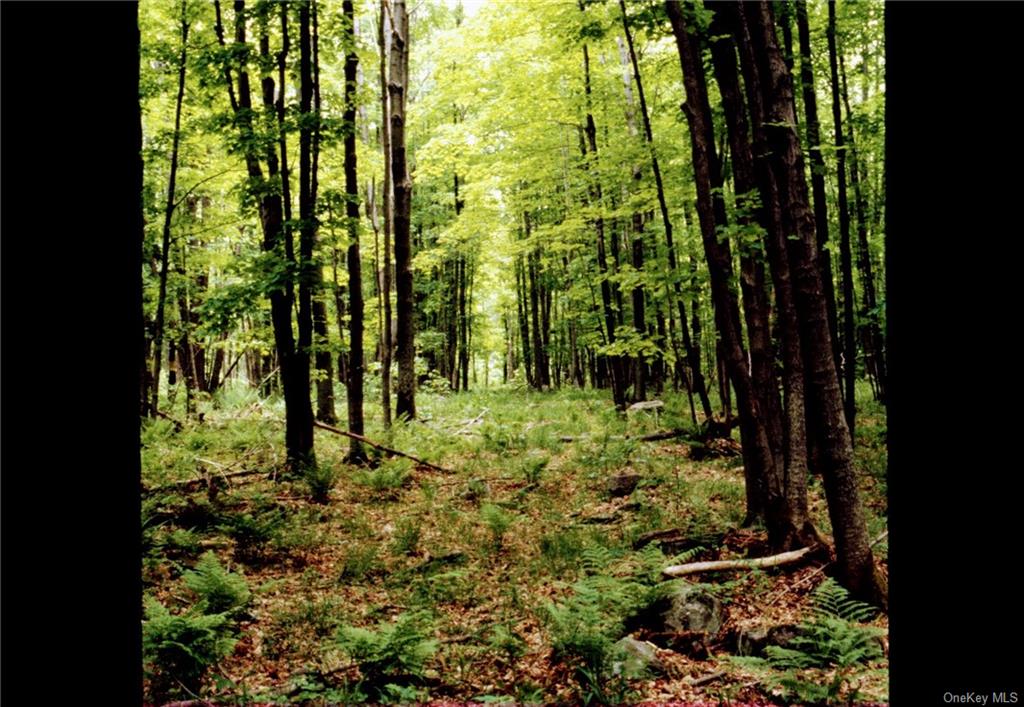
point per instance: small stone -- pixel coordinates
(637, 658)
(622, 484)
(692, 608)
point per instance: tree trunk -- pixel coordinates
(356, 454)
(786, 512)
(817, 161)
(854, 557)
(161, 302)
(387, 346)
(608, 293)
(758, 457)
(845, 256)
(276, 240)
(397, 87)
(874, 347)
(322, 361)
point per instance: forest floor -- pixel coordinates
(511, 577)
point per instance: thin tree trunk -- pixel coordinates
(845, 255)
(298, 410)
(608, 292)
(397, 88)
(158, 328)
(307, 230)
(357, 453)
(387, 346)
(323, 360)
(871, 332)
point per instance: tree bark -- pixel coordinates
(356, 453)
(387, 346)
(608, 292)
(323, 359)
(276, 240)
(397, 87)
(158, 327)
(786, 511)
(874, 347)
(758, 457)
(817, 161)
(849, 343)
(854, 556)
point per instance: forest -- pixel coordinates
(527, 352)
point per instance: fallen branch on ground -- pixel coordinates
(790, 587)
(653, 437)
(784, 558)
(192, 484)
(178, 426)
(464, 429)
(387, 450)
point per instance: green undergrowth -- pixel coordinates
(509, 578)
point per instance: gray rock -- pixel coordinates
(622, 484)
(753, 640)
(692, 608)
(637, 658)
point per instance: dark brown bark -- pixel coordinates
(161, 302)
(786, 512)
(356, 451)
(758, 457)
(387, 346)
(397, 87)
(322, 357)
(295, 379)
(854, 557)
(524, 321)
(307, 231)
(849, 339)
(817, 161)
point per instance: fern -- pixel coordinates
(833, 640)
(831, 599)
(219, 591)
(179, 649)
(596, 558)
(392, 653)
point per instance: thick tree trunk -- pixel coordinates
(817, 161)
(786, 512)
(854, 557)
(758, 457)
(397, 87)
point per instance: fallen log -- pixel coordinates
(387, 450)
(784, 558)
